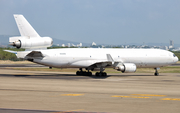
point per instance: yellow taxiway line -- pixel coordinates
(171, 99)
(153, 95)
(72, 94)
(129, 96)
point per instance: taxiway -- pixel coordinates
(65, 92)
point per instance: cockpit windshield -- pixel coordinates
(174, 55)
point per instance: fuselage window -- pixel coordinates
(62, 53)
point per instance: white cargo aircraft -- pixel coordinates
(94, 59)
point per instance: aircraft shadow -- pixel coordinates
(71, 76)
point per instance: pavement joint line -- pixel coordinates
(178, 99)
(68, 111)
(153, 95)
(129, 96)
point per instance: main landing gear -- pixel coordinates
(156, 72)
(87, 73)
(81, 72)
(101, 74)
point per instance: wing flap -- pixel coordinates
(90, 63)
(94, 63)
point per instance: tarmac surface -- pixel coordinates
(62, 92)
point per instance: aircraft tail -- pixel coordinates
(29, 39)
(24, 27)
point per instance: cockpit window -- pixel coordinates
(174, 55)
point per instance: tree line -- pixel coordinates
(9, 56)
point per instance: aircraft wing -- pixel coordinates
(91, 63)
(95, 63)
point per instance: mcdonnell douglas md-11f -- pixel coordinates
(91, 59)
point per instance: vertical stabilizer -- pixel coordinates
(24, 27)
(29, 39)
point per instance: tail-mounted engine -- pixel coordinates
(27, 43)
(126, 67)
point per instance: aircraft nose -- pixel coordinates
(175, 59)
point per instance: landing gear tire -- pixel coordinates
(104, 74)
(84, 73)
(156, 74)
(78, 73)
(89, 73)
(97, 74)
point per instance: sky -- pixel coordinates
(101, 21)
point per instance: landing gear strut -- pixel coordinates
(156, 72)
(81, 72)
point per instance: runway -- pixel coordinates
(55, 92)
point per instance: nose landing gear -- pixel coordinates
(156, 71)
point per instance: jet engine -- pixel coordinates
(23, 42)
(126, 67)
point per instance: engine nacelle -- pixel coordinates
(126, 67)
(23, 42)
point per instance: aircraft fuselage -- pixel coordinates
(84, 57)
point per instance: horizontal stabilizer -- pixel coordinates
(15, 52)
